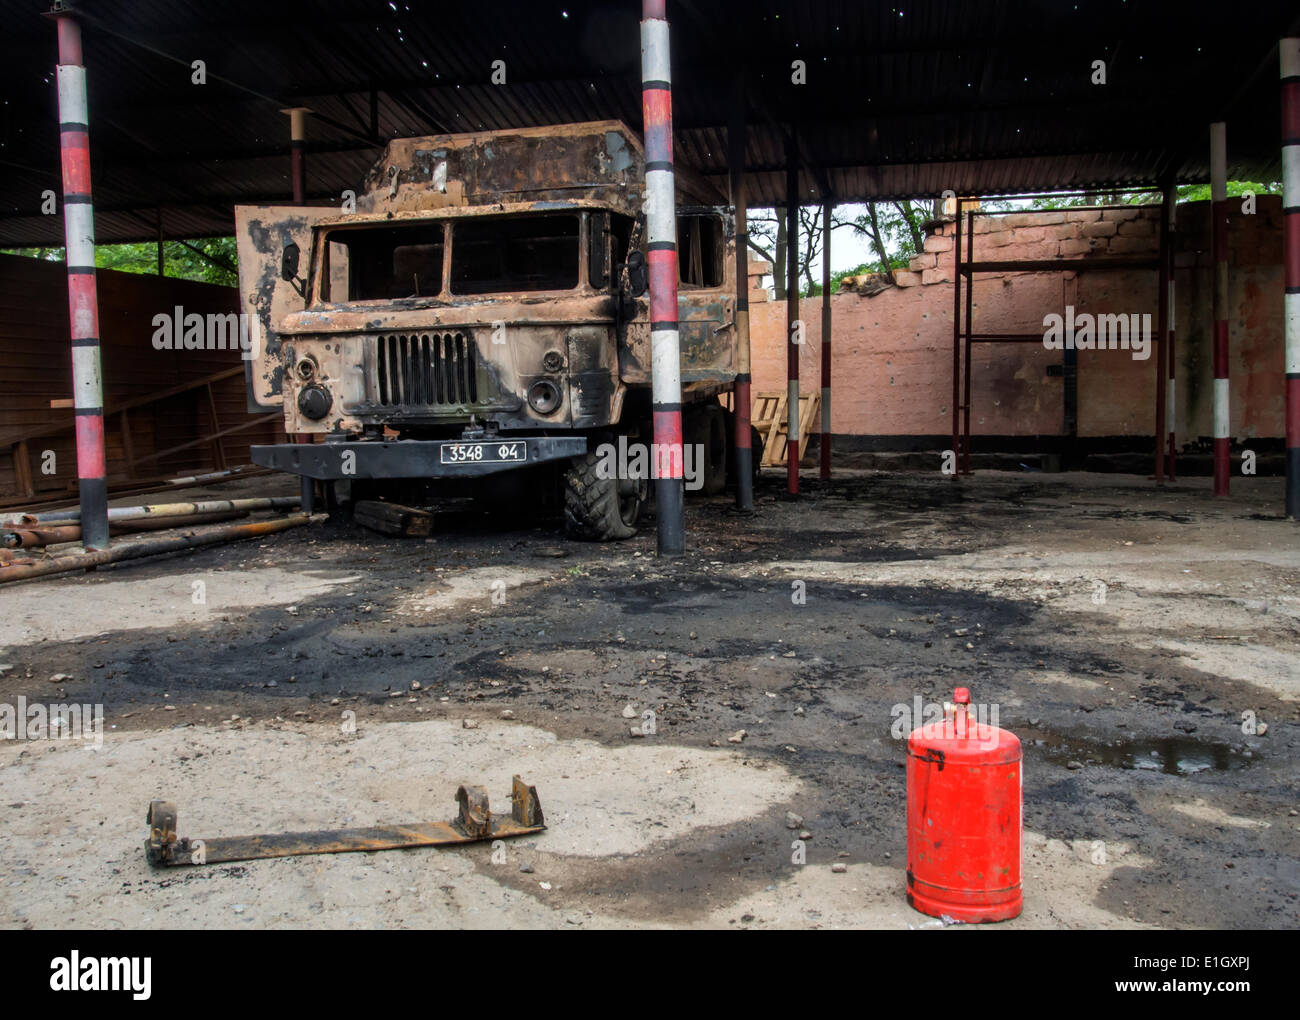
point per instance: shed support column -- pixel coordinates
(297, 158)
(1219, 246)
(1162, 332)
(1289, 50)
(1171, 361)
(743, 439)
(661, 252)
(793, 327)
(826, 342)
(83, 303)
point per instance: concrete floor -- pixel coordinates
(1121, 632)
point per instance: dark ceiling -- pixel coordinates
(902, 99)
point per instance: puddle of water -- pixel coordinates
(1175, 756)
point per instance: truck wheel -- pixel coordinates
(600, 509)
(708, 430)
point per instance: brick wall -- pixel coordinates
(892, 353)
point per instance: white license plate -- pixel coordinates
(483, 453)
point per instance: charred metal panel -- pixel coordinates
(262, 233)
(597, 161)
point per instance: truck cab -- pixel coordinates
(480, 307)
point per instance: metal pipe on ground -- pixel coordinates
(53, 534)
(128, 513)
(151, 547)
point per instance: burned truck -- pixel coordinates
(475, 321)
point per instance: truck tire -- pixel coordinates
(600, 509)
(708, 429)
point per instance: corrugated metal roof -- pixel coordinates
(901, 99)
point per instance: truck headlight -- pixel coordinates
(544, 396)
(314, 402)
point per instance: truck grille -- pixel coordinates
(426, 368)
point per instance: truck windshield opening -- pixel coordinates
(495, 255)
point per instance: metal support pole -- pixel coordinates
(661, 249)
(1219, 245)
(1289, 50)
(956, 341)
(1162, 330)
(1171, 362)
(744, 431)
(297, 158)
(970, 315)
(826, 342)
(298, 173)
(83, 303)
(793, 328)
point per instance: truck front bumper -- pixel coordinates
(415, 458)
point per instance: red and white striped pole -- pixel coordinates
(1219, 246)
(1289, 50)
(661, 253)
(83, 304)
(793, 327)
(1171, 404)
(826, 342)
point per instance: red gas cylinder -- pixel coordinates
(964, 786)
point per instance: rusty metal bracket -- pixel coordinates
(474, 823)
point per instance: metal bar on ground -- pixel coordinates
(744, 430)
(1289, 58)
(1219, 246)
(83, 302)
(474, 823)
(793, 327)
(826, 342)
(661, 253)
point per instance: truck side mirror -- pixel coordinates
(289, 262)
(638, 273)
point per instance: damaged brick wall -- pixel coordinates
(892, 367)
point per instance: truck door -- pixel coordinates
(706, 292)
(262, 234)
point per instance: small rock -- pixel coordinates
(415, 685)
(839, 868)
(60, 678)
(545, 885)
(629, 711)
(636, 731)
(1074, 764)
(507, 714)
(793, 821)
(799, 710)
(805, 834)
(737, 737)
(526, 869)
(469, 724)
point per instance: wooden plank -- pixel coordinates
(393, 518)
